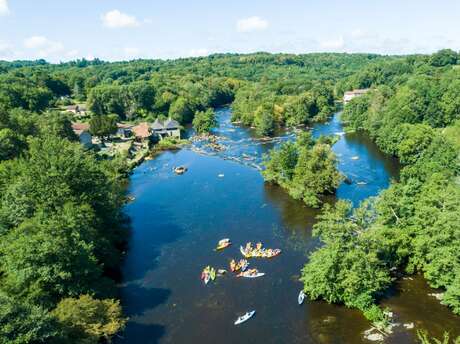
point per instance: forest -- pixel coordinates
(62, 228)
(414, 225)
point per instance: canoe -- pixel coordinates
(301, 297)
(245, 317)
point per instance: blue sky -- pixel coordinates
(125, 29)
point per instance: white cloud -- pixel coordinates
(198, 52)
(4, 9)
(251, 24)
(42, 46)
(116, 19)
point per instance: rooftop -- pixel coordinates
(168, 124)
(142, 130)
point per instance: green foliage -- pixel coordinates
(264, 121)
(103, 125)
(57, 124)
(181, 111)
(88, 320)
(59, 226)
(204, 121)
(417, 220)
(444, 57)
(306, 169)
(10, 144)
(424, 338)
(346, 269)
(23, 323)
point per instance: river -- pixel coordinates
(177, 221)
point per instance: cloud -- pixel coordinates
(251, 24)
(116, 19)
(4, 9)
(198, 52)
(42, 46)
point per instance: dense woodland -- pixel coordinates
(61, 225)
(414, 226)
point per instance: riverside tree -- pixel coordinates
(307, 169)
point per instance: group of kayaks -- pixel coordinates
(240, 268)
(258, 251)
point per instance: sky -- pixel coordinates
(58, 30)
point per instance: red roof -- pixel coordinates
(142, 130)
(80, 126)
(124, 126)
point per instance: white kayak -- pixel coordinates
(243, 252)
(259, 274)
(301, 297)
(207, 278)
(245, 317)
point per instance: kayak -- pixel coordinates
(207, 278)
(252, 273)
(223, 245)
(245, 317)
(258, 274)
(258, 251)
(243, 252)
(243, 264)
(212, 274)
(301, 297)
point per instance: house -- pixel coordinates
(124, 130)
(82, 131)
(76, 109)
(349, 95)
(142, 131)
(168, 128)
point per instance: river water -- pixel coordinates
(177, 221)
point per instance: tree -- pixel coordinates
(57, 124)
(180, 110)
(204, 121)
(51, 256)
(315, 174)
(11, 144)
(264, 121)
(306, 169)
(88, 320)
(345, 270)
(103, 125)
(23, 323)
(443, 58)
